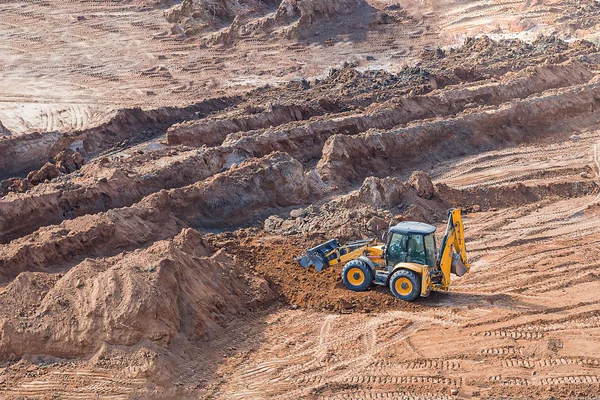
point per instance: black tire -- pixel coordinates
(405, 284)
(357, 276)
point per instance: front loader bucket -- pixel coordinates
(304, 261)
(317, 255)
(313, 259)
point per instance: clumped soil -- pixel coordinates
(269, 256)
(169, 260)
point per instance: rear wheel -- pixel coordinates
(405, 284)
(357, 276)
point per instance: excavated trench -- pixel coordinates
(348, 158)
(383, 116)
(27, 152)
(256, 187)
(212, 133)
(107, 184)
(104, 185)
(106, 249)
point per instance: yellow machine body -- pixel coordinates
(368, 258)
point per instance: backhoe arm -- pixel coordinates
(453, 252)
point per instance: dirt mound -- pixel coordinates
(196, 16)
(363, 213)
(146, 297)
(46, 173)
(271, 256)
(421, 182)
(68, 161)
(65, 162)
(577, 15)
(481, 57)
(379, 192)
(308, 12)
(224, 21)
(287, 18)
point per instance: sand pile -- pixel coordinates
(143, 298)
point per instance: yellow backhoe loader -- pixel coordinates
(409, 262)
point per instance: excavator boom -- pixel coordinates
(453, 251)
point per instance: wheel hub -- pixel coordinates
(355, 276)
(403, 286)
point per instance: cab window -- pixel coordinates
(430, 249)
(416, 250)
(396, 249)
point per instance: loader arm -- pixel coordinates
(332, 253)
(453, 252)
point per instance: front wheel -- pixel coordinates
(405, 284)
(357, 276)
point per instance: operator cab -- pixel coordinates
(411, 242)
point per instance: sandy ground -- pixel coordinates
(68, 66)
(524, 321)
(163, 267)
